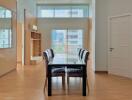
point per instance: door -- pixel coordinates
(120, 45)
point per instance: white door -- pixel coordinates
(120, 45)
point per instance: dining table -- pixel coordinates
(68, 62)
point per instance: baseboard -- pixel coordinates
(8, 72)
(106, 72)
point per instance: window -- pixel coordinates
(47, 13)
(62, 11)
(4, 13)
(77, 13)
(5, 38)
(67, 41)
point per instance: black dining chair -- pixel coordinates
(56, 72)
(76, 72)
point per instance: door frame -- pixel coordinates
(109, 37)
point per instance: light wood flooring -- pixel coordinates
(26, 83)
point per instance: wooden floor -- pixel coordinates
(27, 84)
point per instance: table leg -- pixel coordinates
(49, 81)
(84, 82)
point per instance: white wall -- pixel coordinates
(10, 4)
(105, 9)
(8, 55)
(30, 6)
(119, 7)
(45, 27)
(101, 35)
(92, 31)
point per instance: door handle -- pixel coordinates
(111, 49)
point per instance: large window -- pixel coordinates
(5, 38)
(65, 11)
(5, 28)
(4, 13)
(67, 41)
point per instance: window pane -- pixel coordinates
(8, 14)
(5, 38)
(58, 41)
(47, 13)
(77, 13)
(62, 13)
(5, 41)
(4, 13)
(1, 13)
(6, 45)
(1, 46)
(75, 41)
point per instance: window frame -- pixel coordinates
(85, 8)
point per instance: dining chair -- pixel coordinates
(56, 72)
(50, 53)
(79, 51)
(81, 55)
(76, 72)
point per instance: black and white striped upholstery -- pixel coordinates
(77, 72)
(81, 56)
(52, 53)
(55, 71)
(79, 52)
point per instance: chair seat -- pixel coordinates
(75, 72)
(58, 71)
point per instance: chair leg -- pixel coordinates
(68, 78)
(88, 86)
(45, 83)
(63, 82)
